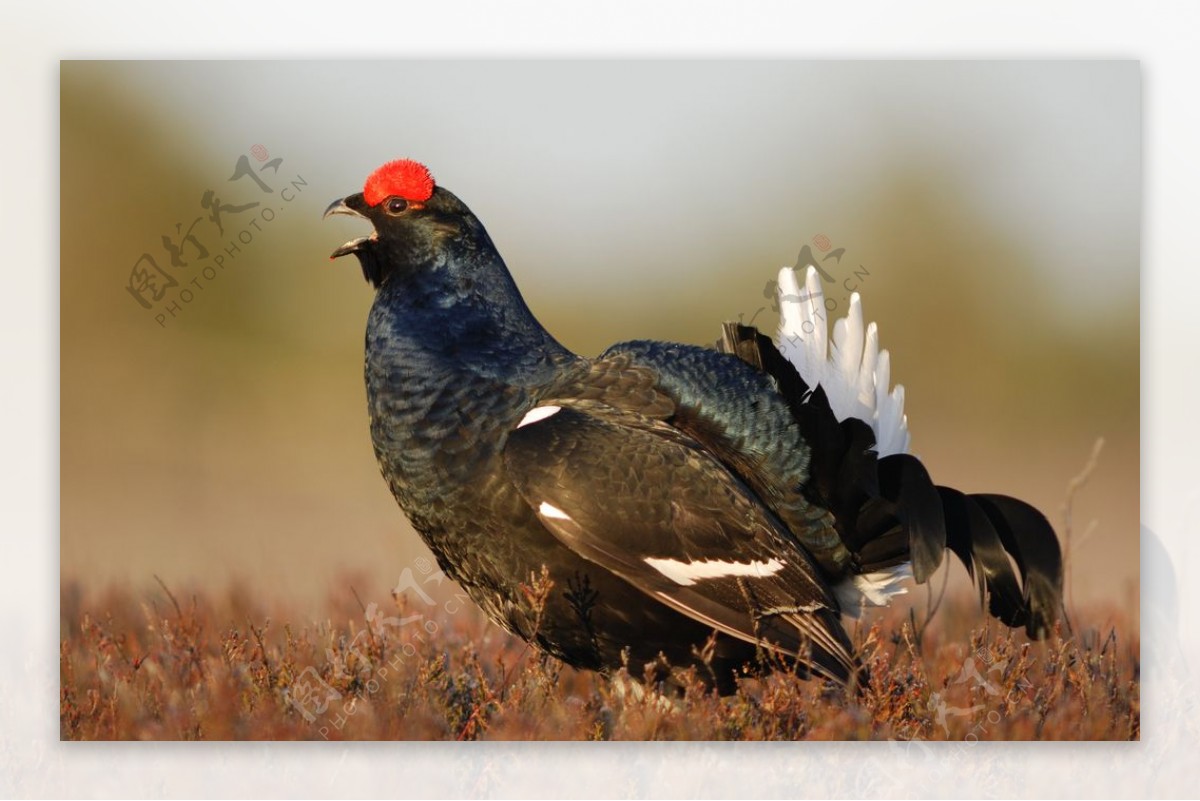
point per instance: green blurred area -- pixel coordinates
(232, 441)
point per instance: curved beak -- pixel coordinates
(355, 206)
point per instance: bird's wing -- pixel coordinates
(639, 498)
(865, 512)
(743, 416)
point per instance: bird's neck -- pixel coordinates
(469, 325)
(446, 367)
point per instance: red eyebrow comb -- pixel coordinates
(401, 178)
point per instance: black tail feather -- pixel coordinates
(974, 540)
(1030, 540)
(888, 510)
(904, 481)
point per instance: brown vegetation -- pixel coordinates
(150, 666)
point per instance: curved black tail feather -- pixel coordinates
(888, 510)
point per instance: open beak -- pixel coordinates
(355, 206)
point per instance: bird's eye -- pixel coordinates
(395, 205)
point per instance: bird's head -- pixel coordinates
(416, 222)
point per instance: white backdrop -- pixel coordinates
(34, 763)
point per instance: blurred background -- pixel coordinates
(213, 416)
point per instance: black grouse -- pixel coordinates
(691, 505)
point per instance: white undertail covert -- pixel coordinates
(855, 375)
